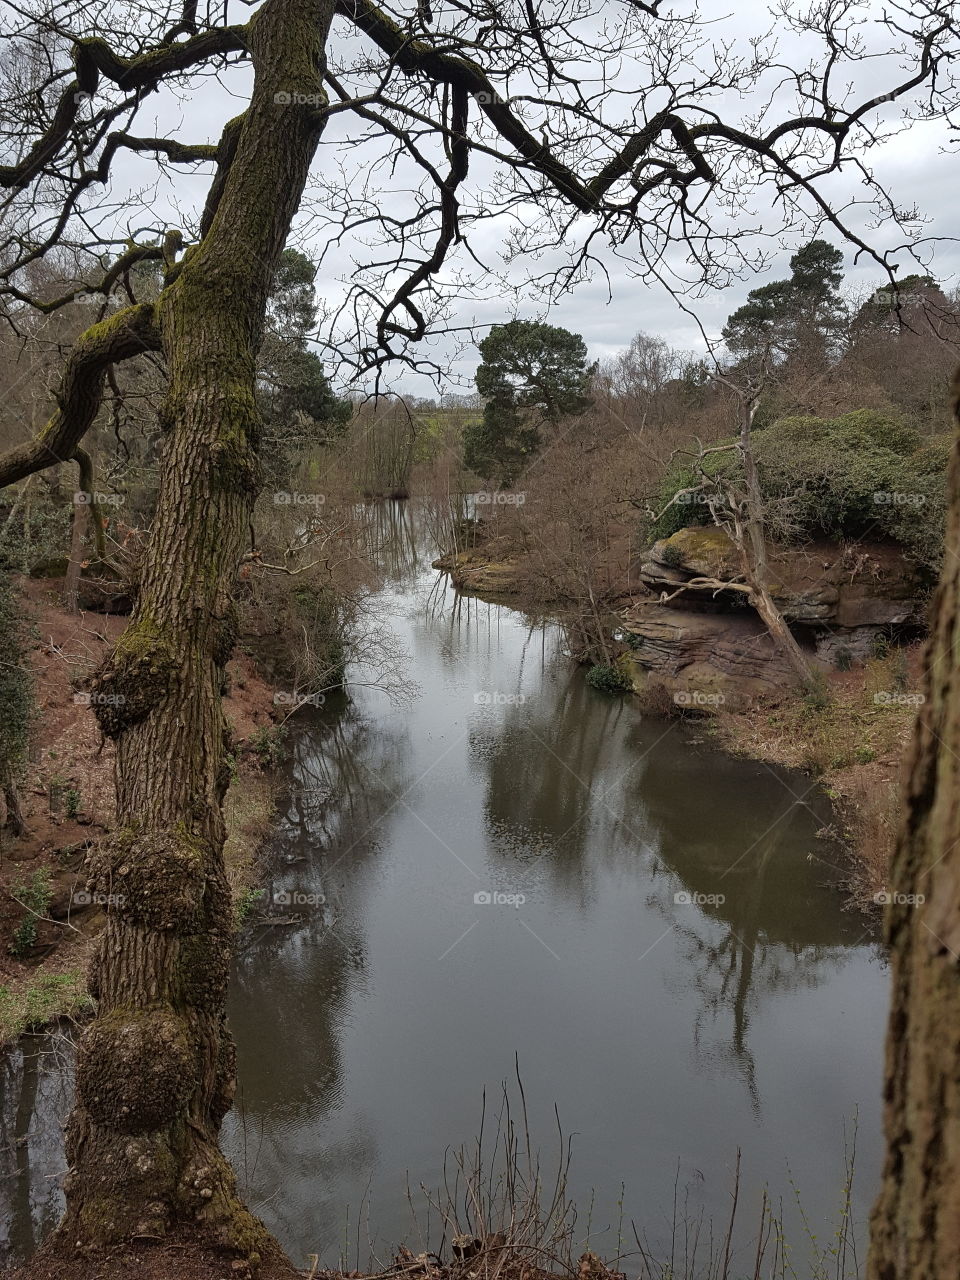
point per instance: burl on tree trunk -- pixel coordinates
(916, 1222)
(155, 1070)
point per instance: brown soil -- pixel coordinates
(173, 1259)
(68, 796)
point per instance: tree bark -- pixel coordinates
(915, 1230)
(155, 1070)
(71, 582)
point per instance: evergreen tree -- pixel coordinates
(531, 375)
(789, 319)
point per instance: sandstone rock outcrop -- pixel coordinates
(699, 637)
(820, 584)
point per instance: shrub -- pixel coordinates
(608, 679)
(859, 474)
(267, 745)
(672, 555)
(34, 894)
(244, 904)
(844, 659)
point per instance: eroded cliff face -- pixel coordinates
(695, 632)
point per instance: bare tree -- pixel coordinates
(526, 95)
(734, 498)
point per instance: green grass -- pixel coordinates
(41, 999)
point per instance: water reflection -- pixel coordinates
(665, 1031)
(36, 1087)
(371, 1021)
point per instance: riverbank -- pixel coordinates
(851, 737)
(492, 1258)
(47, 922)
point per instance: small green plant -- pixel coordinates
(864, 755)
(672, 555)
(899, 671)
(34, 894)
(72, 802)
(844, 659)
(880, 645)
(267, 745)
(245, 904)
(608, 679)
(817, 697)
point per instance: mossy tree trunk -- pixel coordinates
(155, 1071)
(916, 1222)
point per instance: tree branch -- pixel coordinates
(122, 335)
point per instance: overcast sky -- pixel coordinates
(607, 311)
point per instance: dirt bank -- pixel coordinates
(46, 926)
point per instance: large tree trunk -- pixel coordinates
(916, 1221)
(155, 1070)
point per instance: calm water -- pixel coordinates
(667, 1033)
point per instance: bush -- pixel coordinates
(35, 895)
(608, 679)
(267, 745)
(862, 474)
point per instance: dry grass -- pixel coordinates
(871, 808)
(501, 1215)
